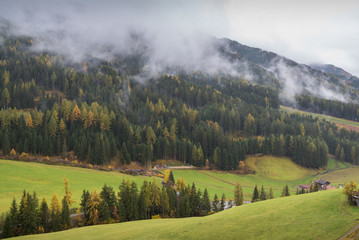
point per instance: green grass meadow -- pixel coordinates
(320, 215)
(271, 171)
(48, 179)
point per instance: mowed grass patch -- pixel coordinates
(49, 179)
(320, 215)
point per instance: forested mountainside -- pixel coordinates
(294, 78)
(338, 72)
(103, 110)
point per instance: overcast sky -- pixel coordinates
(305, 31)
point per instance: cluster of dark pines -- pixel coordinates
(31, 217)
(149, 202)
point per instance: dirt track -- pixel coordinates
(348, 127)
(347, 235)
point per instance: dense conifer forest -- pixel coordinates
(104, 111)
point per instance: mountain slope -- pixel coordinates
(338, 72)
(293, 78)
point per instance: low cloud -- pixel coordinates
(168, 36)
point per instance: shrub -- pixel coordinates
(156, 216)
(23, 156)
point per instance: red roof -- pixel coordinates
(330, 187)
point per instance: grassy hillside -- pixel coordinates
(338, 121)
(341, 177)
(321, 215)
(334, 164)
(48, 179)
(339, 173)
(271, 171)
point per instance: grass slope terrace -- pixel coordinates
(320, 215)
(271, 171)
(340, 122)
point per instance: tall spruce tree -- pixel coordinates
(206, 204)
(285, 191)
(108, 195)
(65, 214)
(84, 199)
(28, 212)
(255, 196)
(165, 204)
(171, 177)
(215, 203)
(10, 227)
(222, 203)
(44, 216)
(104, 212)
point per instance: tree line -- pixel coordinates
(130, 203)
(334, 108)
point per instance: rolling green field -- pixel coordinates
(47, 179)
(343, 122)
(271, 171)
(320, 215)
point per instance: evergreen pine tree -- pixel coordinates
(142, 207)
(44, 215)
(255, 196)
(5, 144)
(7, 228)
(10, 227)
(108, 195)
(285, 191)
(263, 194)
(165, 204)
(171, 178)
(206, 204)
(215, 203)
(65, 214)
(84, 199)
(124, 201)
(28, 213)
(104, 212)
(133, 207)
(223, 203)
